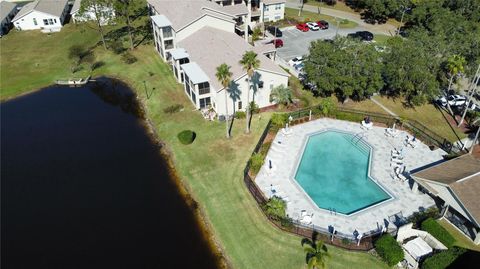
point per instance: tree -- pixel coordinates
(224, 76)
(249, 63)
(275, 208)
(454, 66)
(316, 253)
(127, 9)
(281, 95)
(346, 67)
(102, 13)
(76, 53)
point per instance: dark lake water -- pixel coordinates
(83, 186)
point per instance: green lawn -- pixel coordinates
(307, 16)
(426, 114)
(460, 239)
(210, 168)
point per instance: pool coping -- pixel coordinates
(299, 156)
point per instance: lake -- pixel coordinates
(84, 186)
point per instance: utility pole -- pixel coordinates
(473, 89)
(301, 7)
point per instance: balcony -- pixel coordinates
(256, 12)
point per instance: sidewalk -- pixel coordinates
(384, 29)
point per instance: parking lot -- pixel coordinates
(297, 43)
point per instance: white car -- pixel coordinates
(313, 26)
(457, 100)
(295, 61)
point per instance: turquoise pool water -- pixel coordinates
(333, 171)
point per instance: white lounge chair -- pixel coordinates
(286, 132)
(391, 132)
(411, 142)
(367, 126)
(307, 219)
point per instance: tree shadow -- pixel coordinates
(234, 93)
(256, 83)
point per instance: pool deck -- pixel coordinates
(285, 156)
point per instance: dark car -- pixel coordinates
(275, 31)
(362, 35)
(323, 24)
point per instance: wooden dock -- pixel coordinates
(73, 82)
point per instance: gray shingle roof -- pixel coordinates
(210, 47)
(5, 9)
(52, 7)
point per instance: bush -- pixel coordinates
(173, 108)
(443, 259)
(128, 58)
(186, 137)
(264, 148)
(240, 115)
(117, 46)
(328, 106)
(434, 228)
(389, 249)
(275, 208)
(254, 109)
(256, 162)
(279, 119)
(418, 217)
(348, 116)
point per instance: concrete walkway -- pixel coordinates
(384, 29)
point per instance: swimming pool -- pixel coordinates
(334, 173)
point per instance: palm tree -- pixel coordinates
(281, 95)
(249, 63)
(316, 253)
(455, 65)
(224, 76)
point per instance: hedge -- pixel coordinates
(389, 249)
(443, 259)
(256, 162)
(435, 229)
(186, 137)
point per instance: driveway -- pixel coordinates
(297, 43)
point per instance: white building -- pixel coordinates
(46, 15)
(195, 37)
(7, 12)
(90, 14)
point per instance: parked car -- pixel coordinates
(457, 100)
(313, 26)
(299, 67)
(277, 42)
(295, 61)
(362, 35)
(323, 24)
(275, 31)
(302, 27)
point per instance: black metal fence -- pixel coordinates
(339, 239)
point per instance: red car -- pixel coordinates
(278, 43)
(302, 27)
(322, 24)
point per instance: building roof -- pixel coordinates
(6, 8)
(240, 9)
(179, 53)
(467, 191)
(451, 171)
(161, 20)
(51, 7)
(261, 48)
(183, 12)
(76, 6)
(271, 2)
(210, 47)
(195, 73)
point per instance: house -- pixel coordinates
(456, 183)
(195, 37)
(45, 15)
(90, 14)
(7, 12)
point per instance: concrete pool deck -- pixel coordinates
(285, 157)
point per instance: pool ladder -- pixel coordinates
(332, 210)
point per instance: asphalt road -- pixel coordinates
(297, 43)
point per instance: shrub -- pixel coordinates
(389, 249)
(128, 58)
(173, 108)
(186, 137)
(117, 46)
(279, 119)
(435, 229)
(254, 109)
(443, 259)
(275, 208)
(348, 116)
(345, 241)
(240, 115)
(418, 217)
(256, 162)
(264, 148)
(328, 106)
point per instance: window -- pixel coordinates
(187, 85)
(175, 70)
(169, 56)
(278, 6)
(50, 21)
(265, 8)
(278, 17)
(239, 104)
(45, 22)
(194, 98)
(55, 20)
(167, 32)
(184, 61)
(260, 84)
(266, 19)
(35, 21)
(168, 44)
(203, 88)
(271, 84)
(205, 102)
